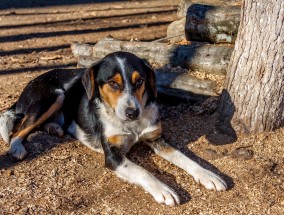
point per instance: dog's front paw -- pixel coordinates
(209, 180)
(17, 149)
(163, 194)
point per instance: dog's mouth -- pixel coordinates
(120, 114)
(131, 120)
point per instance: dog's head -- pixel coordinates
(123, 82)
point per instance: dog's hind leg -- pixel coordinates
(7, 121)
(17, 150)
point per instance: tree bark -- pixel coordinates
(253, 98)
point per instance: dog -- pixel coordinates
(109, 107)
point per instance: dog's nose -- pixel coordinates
(132, 113)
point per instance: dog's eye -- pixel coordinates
(113, 84)
(139, 82)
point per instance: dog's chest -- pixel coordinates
(128, 134)
(131, 129)
(125, 134)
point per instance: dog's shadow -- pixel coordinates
(37, 143)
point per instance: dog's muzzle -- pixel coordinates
(132, 113)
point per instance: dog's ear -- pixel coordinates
(151, 78)
(88, 79)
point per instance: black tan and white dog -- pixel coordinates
(109, 107)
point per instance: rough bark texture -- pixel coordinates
(185, 4)
(253, 99)
(215, 24)
(201, 56)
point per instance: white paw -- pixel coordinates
(209, 180)
(163, 194)
(17, 150)
(54, 129)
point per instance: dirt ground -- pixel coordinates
(62, 176)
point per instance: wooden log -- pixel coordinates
(174, 84)
(200, 56)
(185, 4)
(214, 24)
(204, 57)
(176, 30)
(85, 61)
(184, 82)
(82, 49)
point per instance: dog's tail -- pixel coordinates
(8, 119)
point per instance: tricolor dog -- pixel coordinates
(109, 107)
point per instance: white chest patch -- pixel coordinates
(135, 129)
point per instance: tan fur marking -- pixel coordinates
(118, 79)
(122, 142)
(167, 149)
(23, 121)
(53, 108)
(152, 136)
(135, 76)
(139, 92)
(18, 126)
(116, 140)
(92, 80)
(109, 95)
(161, 147)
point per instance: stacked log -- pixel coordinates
(202, 23)
(172, 82)
(214, 23)
(199, 56)
(181, 85)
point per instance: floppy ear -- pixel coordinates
(88, 79)
(151, 78)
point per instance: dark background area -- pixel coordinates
(6, 4)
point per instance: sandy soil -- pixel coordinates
(61, 176)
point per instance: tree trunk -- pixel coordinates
(253, 98)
